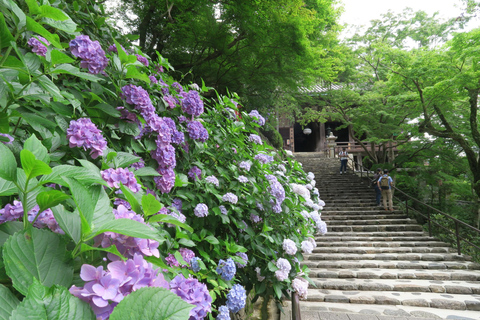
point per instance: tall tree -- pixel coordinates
(261, 49)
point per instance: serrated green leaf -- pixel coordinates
(50, 198)
(124, 159)
(69, 222)
(51, 303)
(9, 228)
(8, 164)
(150, 205)
(132, 199)
(34, 26)
(18, 13)
(133, 73)
(83, 175)
(74, 71)
(186, 242)
(39, 254)
(128, 227)
(8, 302)
(112, 249)
(53, 13)
(37, 148)
(58, 57)
(33, 167)
(5, 35)
(7, 188)
(169, 219)
(146, 172)
(152, 304)
(212, 240)
(83, 200)
(181, 180)
(33, 7)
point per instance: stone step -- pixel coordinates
(366, 222)
(377, 244)
(364, 215)
(391, 264)
(437, 257)
(401, 285)
(381, 250)
(352, 311)
(375, 236)
(416, 299)
(369, 273)
(377, 228)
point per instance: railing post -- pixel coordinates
(296, 307)
(457, 234)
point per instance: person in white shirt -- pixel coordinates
(343, 160)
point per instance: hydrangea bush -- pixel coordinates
(118, 185)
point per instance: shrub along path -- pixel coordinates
(374, 264)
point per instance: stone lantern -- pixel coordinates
(331, 145)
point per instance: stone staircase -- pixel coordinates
(374, 264)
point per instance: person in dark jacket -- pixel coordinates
(378, 191)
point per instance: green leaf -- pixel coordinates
(53, 13)
(212, 240)
(103, 209)
(18, 13)
(50, 87)
(112, 249)
(5, 35)
(51, 198)
(278, 290)
(129, 128)
(74, 71)
(186, 242)
(152, 304)
(133, 73)
(124, 159)
(39, 254)
(33, 7)
(83, 199)
(169, 219)
(51, 303)
(34, 26)
(33, 167)
(7, 188)
(82, 175)
(4, 123)
(37, 148)
(58, 57)
(8, 302)
(146, 172)
(181, 180)
(8, 228)
(128, 227)
(69, 222)
(132, 199)
(150, 205)
(8, 164)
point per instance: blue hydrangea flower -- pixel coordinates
(255, 138)
(223, 210)
(213, 180)
(245, 165)
(201, 210)
(226, 269)
(197, 131)
(230, 197)
(236, 298)
(194, 264)
(223, 313)
(244, 257)
(242, 179)
(257, 118)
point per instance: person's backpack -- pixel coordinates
(384, 182)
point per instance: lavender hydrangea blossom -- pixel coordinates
(92, 55)
(277, 191)
(213, 180)
(195, 173)
(172, 261)
(223, 313)
(223, 210)
(301, 287)
(201, 210)
(186, 254)
(257, 118)
(289, 246)
(307, 247)
(226, 269)
(193, 292)
(245, 165)
(192, 104)
(11, 212)
(38, 45)
(84, 134)
(197, 131)
(166, 181)
(263, 158)
(244, 257)
(165, 156)
(120, 175)
(284, 268)
(236, 298)
(194, 264)
(142, 59)
(230, 197)
(255, 138)
(242, 179)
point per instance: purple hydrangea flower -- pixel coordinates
(289, 246)
(137, 165)
(277, 191)
(126, 245)
(122, 202)
(255, 138)
(165, 156)
(120, 175)
(177, 204)
(182, 119)
(245, 165)
(226, 269)
(104, 289)
(11, 212)
(142, 59)
(194, 264)
(255, 218)
(192, 104)
(321, 227)
(223, 210)
(242, 179)
(196, 131)
(187, 254)
(38, 47)
(201, 210)
(230, 197)
(84, 134)
(159, 68)
(193, 292)
(213, 180)
(178, 137)
(236, 298)
(177, 87)
(139, 97)
(44, 219)
(153, 79)
(9, 137)
(166, 181)
(307, 247)
(91, 53)
(223, 313)
(257, 118)
(172, 261)
(284, 268)
(195, 173)
(263, 158)
(170, 100)
(244, 257)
